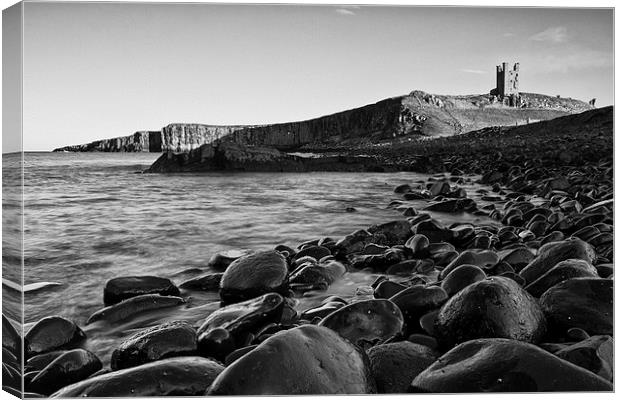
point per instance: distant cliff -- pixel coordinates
(413, 115)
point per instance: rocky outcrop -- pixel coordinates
(417, 114)
(234, 157)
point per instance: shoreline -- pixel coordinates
(449, 293)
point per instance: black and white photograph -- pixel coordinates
(236, 199)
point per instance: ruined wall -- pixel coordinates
(507, 80)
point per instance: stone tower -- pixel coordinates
(507, 80)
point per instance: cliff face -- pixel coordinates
(410, 116)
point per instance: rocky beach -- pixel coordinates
(520, 303)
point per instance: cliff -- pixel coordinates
(417, 114)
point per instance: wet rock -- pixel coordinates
(503, 365)
(207, 282)
(317, 252)
(37, 363)
(594, 354)
(518, 258)
(416, 301)
(11, 340)
(585, 303)
(322, 311)
(239, 320)
(494, 307)
(418, 245)
(254, 275)
(440, 187)
(317, 360)
(162, 341)
(461, 277)
(394, 365)
(395, 232)
(484, 259)
(317, 276)
(125, 287)
(366, 321)
(52, 333)
(424, 340)
(221, 261)
(571, 268)
(387, 289)
(70, 367)
(179, 376)
(433, 231)
(132, 306)
(551, 254)
(404, 188)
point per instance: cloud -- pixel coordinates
(344, 11)
(473, 71)
(574, 61)
(508, 34)
(557, 34)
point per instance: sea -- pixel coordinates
(90, 217)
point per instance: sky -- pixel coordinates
(101, 70)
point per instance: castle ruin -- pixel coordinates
(507, 85)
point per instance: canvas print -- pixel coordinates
(225, 199)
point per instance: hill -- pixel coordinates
(417, 114)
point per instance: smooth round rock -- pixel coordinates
(125, 287)
(205, 282)
(254, 275)
(550, 254)
(179, 376)
(167, 340)
(394, 365)
(595, 354)
(415, 301)
(484, 259)
(52, 333)
(38, 363)
(461, 277)
(495, 307)
(132, 306)
(305, 360)
(567, 269)
(503, 365)
(366, 321)
(316, 252)
(585, 303)
(11, 340)
(70, 367)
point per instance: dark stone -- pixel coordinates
(52, 333)
(207, 282)
(132, 306)
(179, 376)
(317, 252)
(395, 232)
(366, 321)
(167, 340)
(237, 354)
(503, 365)
(461, 277)
(518, 258)
(585, 303)
(416, 301)
(221, 261)
(571, 268)
(254, 275)
(387, 289)
(11, 340)
(494, 307)
(484, 259)
(394, 365)
(239, 320)
(72, 366)
(433, 231)
(125, 287)
(37, 363)
(316, 359)
(322, 311)
(550, 254)
(595, 354)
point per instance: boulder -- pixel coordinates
(254, 275)
(595, 354)
(125, 287)
(394, 365)
(52, 333)
(484, 259)
(461, 277)
(585, 303)
(564, 270)
(416, 301)
(550, 254)
(395, 232)
(366, 321)
(433, 231)
(316, 252)
(179, 376)
(167, 340)
(494, 307)
(70, 367)
(353, 242)
(206, 282)
(132, 306)
(504, 365)
(305, 360)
